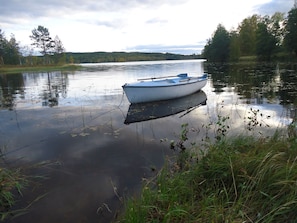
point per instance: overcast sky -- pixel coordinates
(177, 26)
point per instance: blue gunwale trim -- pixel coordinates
(162, 86)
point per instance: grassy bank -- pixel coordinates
(45, 68)
(243, 179)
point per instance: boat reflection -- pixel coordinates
(154, 110)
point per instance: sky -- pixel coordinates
(173, 26)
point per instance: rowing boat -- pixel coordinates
(163, 88)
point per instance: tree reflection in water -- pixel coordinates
(56, 86)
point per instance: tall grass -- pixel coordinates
(11, 182)
(243, 179)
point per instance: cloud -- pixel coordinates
(118, 25)
(42, 8)
(107, 13)
(156, 20)
(273, 6)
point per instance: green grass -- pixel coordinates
(243, 179)
(16, 69)
(11, 183)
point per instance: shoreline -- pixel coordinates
(8, 69)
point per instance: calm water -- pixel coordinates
(78, 130)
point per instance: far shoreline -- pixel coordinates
(8, 69)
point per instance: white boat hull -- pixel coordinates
(146, 91)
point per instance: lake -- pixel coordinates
(90, 149)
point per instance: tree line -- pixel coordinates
(99, 57)
(266, 37)
(51, 49)
(53, 52)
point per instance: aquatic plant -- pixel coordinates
(222, 127)
(256, 118)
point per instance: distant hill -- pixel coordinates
(99, 57)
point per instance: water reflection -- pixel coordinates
(11, 86)
(257, 82)
(261, 85)
(154, 110)
(55, 87)
(32, 88)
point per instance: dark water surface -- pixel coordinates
(74, 128)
